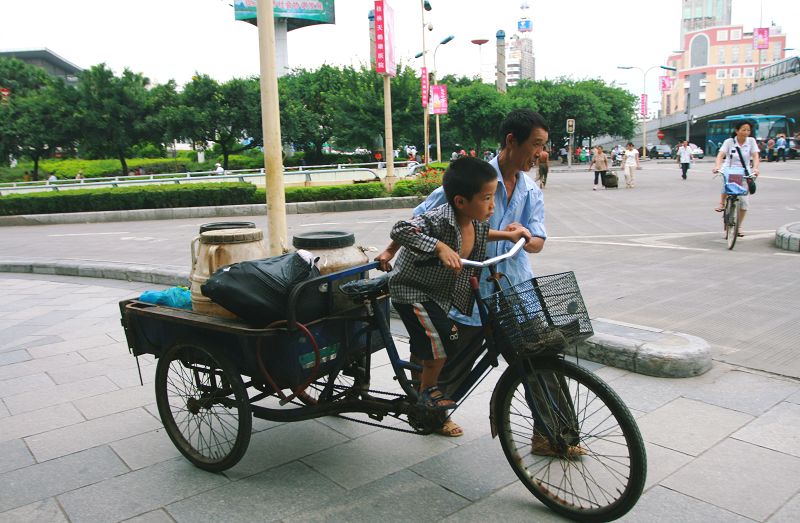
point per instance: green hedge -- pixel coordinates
(125, 198)
(359, 191)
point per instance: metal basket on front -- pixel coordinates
(539, 316)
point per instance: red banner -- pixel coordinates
(423, 82)
(384, 39)
(761, 38)
(666, 83)
(439, 99)
(643, 105)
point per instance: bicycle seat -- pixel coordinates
(368, 288)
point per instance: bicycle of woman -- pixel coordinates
(569, 438)
(735, 186)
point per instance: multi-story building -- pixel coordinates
(47, 60)
(701, 14)
(715, 62)
(520, 62)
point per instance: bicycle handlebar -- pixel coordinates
(434, 262)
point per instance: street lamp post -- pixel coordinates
(436, 116)
(644, 93)
(479, 42)
(425, 5)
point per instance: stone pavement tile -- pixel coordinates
(49, 318)
(745, 392)
(690, 426)
(16, 386)
(38, 421)
(31, 340)
(45, 511)
(57, 394)
(139, 492)
(100, 431)
(647, 393)
(386, 452)
(156, 516)
(402, 496)
(473, 471)
(513, 503)
(269, 496)
(59, 361)
(661, 462)
(74, 343)
(744, 478)
(350, 429)
(92, 369)
(146, 449)
(54, 477)
(794, 398)
(115, 401)
(127, 378)
(777, 429)
(16, 356)
(110, 350)
(14, 455)
(274, 447)
(662, 505)
(3, 410)
(789, 513)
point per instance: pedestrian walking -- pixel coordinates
(780, 148)
(684, 157)
(543, 162)
(600, 165)
(630, 164)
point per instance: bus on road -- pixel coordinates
(765, 126)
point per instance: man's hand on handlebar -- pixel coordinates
(448, 256)
(384, 260)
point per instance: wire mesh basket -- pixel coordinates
(539, 316)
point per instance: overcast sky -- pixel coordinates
(166, 39)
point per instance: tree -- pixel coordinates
(228, 114)
(112, 112)
(475, 112)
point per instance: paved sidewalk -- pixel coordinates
(81, 441)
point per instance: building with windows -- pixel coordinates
(701, 14)
(715, 62)
(520, 62)
(53, 64)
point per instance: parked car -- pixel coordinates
(697, 152)
(660, 151)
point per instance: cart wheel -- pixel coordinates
(204, 406)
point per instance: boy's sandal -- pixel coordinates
(451, 429)
(433, 398)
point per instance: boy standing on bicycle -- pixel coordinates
(424, 295)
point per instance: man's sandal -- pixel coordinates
(719, 209)
(433, 398)
(451, 429)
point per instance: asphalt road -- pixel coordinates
(654, 255)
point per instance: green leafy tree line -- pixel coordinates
(108, 115)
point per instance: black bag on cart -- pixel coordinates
(258, 290)
(610, 180)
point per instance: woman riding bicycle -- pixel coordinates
(729, 153)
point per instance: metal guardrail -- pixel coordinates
(304, 176)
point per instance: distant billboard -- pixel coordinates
(298, 13)
(525, 25)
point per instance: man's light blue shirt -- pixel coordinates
(525, 207)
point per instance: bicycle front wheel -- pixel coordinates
(570, 439)
(731, 216)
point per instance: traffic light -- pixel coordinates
(570, 125)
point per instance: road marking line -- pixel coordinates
(785, 254)
(635, 245)
(779, 178)
(651, 234)
(86, 234)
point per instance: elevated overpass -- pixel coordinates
(776, 97)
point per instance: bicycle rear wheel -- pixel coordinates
(203, 405)
(732, 222)
(590, 462)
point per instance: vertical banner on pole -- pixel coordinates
(423, 82)
(643, 105)
(439, 99)
(384, 39)
(761, 38)
(666, 83)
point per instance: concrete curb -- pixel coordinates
(645, 350)
(787, 237)
(403, 202)
(636, 348)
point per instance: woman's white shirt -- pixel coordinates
(630, 157)
(732, 157)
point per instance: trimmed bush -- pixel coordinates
(126, 198)
(426, 182)
(359, 191)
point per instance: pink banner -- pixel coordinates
(643, 105)
(761, 38)
(384, 39)
(423, 82)
(666, 83)
(439, 99)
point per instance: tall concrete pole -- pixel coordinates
(500, 81)
(271, 126)
(425, 117)
(387, 121)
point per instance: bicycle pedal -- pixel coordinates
(376, 417)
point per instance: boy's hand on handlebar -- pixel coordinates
(448, 256)
(518, 231)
